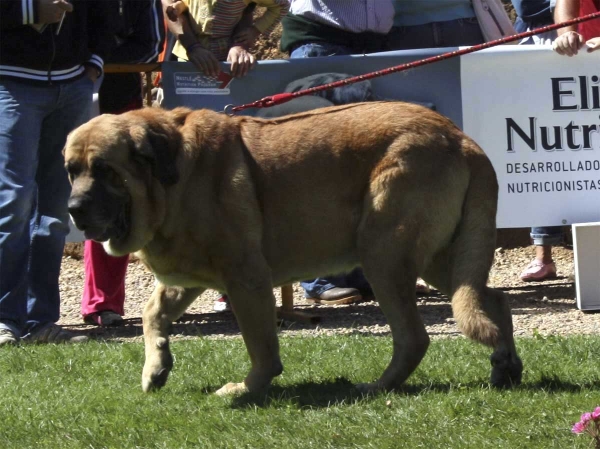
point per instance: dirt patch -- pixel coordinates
(544, 308)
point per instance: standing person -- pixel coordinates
(336, 27)
(434, 23)
(327, 28)
(572, 38)
(533, 14)
(208, 31)
(140, 36)
(51, 53)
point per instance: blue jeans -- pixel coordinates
(34, 189)
(451, 33)
(549, 235)
(546, 236)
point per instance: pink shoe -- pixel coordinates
(538, 271)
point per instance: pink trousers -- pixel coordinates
(104, 287)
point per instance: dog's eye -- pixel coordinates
(73, 170)
(100, 169)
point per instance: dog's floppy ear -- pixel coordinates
(157, 147)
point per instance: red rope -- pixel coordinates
(273, 100)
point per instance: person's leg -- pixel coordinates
(542, 266)
(49, 225)
(411, 37)
(22, 110)
(103, 296)
(104, 285)
(457, 33)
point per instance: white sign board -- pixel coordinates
(537, 116)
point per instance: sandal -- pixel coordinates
(538, 271)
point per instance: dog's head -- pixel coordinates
(119, 167)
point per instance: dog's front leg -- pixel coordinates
(165, 306)
(251, 294)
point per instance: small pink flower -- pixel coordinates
(586, 417)
(579, 427)
(596, 414)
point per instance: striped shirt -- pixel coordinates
(356, 16)
(217, 19)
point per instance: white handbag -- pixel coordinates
(493, 19)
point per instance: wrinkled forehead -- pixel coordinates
(99, 135)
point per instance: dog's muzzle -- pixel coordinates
(98, 220)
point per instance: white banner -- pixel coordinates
(537, 116)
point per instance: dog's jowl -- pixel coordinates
(243, 204)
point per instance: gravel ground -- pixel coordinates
(545, 308)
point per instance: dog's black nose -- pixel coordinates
(77, 210)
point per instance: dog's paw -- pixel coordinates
(232, 389)
(506, 370)
(156, 371)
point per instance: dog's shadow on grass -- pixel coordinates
(342, 392)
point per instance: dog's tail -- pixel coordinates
(472, 253)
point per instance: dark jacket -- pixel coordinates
(85, 38)
(139, 38)
(139, 31)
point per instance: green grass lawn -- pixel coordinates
(89, 396)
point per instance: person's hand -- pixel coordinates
(176, 9)
(51, 11)
(204, 60)
(568, 43)
(91, 72)
(246, 37)
(593, 44)
(241, 61)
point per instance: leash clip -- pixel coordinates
(228, 109)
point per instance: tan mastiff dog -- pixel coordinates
(241, 204)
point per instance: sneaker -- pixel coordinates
(222, 304)
(104, 318)
(336, 295)
(7, 337)
(54, 334)
(538, 271)
(422, 287)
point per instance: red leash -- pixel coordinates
(285, 97)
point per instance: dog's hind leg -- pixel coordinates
(165, 305)
(482, 313)
(251, 294)
(390, 267)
